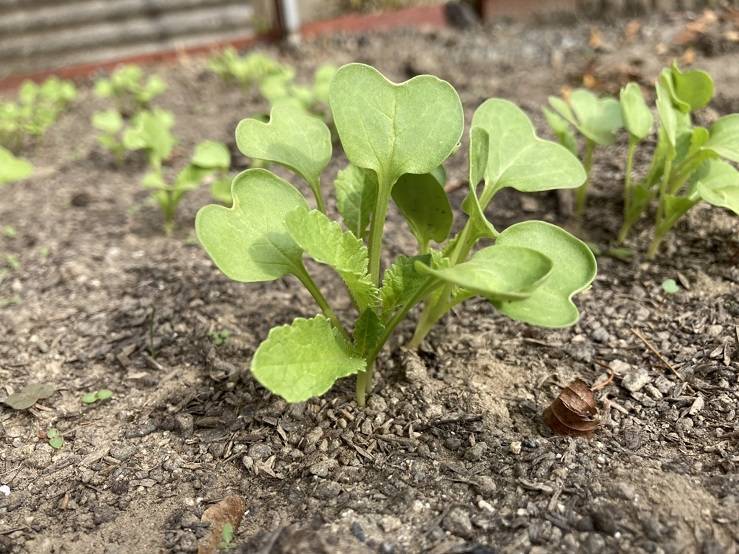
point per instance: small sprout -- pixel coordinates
(220, 337)
(227, 536)
(574, 411)
(56, 440)
(670, 286)
(12, 261)
(9, 232)
(13, 169)
(111, 126)
(130, 89)
(96, 396)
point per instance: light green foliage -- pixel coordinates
(151, 131)
(304, 359)
(12, 168)
(562, 130)
(130, 88)
(325, 241)
(96, 396)
(35, 110)
(210, 159)
(248, 70)
(397, 138)
(110, 124)
(282, 89)
(56, 440)
(670, 286)
(356, 197)
(686, 165)
(598, 120)
(219, 337)
(292, 138)
(636, 115)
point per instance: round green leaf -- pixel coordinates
(108, 121)
(210, 154)
(598, 119)
(424, 204)
(550, 305)
(637, 116)
(292, 138)
(690, 90)
(12, 168)
(498, 272)
(249, 241)
(517, 158)
(724, 137)
(718, 184)
(304, 359)
(394, 129)
(104, 394)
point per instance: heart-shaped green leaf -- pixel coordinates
(424, 204)
(210, 154)
(12, 168)
(690, 90)
(636, 115)
(325, 241)
(562, 130)
(356, 195)
(304, 359)
(550, 305)
(517, 158)
(718, 184)
(724, 137)
(249, 241)
(292, 138)
(394, 129)
(498, 272)
(598, 119)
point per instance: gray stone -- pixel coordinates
(457, 522)
(475, 453)
(322, 468)
(635, 380)
(260, 451)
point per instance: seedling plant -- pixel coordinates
(12, 168)
(131, 90)
(36, 109)
(250, 70)
(396, 138)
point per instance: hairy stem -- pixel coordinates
(581, 193)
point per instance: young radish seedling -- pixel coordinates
(12, 168)
(396, 138)
(111, 126)
(688, 162)
(130, 89)
(249, 70)
(596, 119)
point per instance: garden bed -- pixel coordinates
(451, 454)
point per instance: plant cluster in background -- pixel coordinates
(690, 164)
(130, 89)
(275, 80)
(396, 138)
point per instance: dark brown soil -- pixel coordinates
(451, 454)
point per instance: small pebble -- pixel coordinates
(516, 447)
(635, 380)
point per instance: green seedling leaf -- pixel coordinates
(517, 158)
(367, 332)
(574, 268)
(424, 204)
(249, 242)
(219, 338)
(325, 242)
(220, 190)
(598, 119)
(304, 359)
(12, 168)
(29, 395)
(724, 138)
(108, 121)
(402, 281)
(667, 116)
(497, 272)
(479, 149)
(151, 131)
(104, 394)
(689, 90)
(56, 440)
(292, 138)
(636, 115)
(561, 129)
(89, 398)
(718, 184)
(356, 195)
(211, 155)
(670, 286)
(394, 129)
(9, 231)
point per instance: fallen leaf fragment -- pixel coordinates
(574, 411)
(227, 512)
(29, 395)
